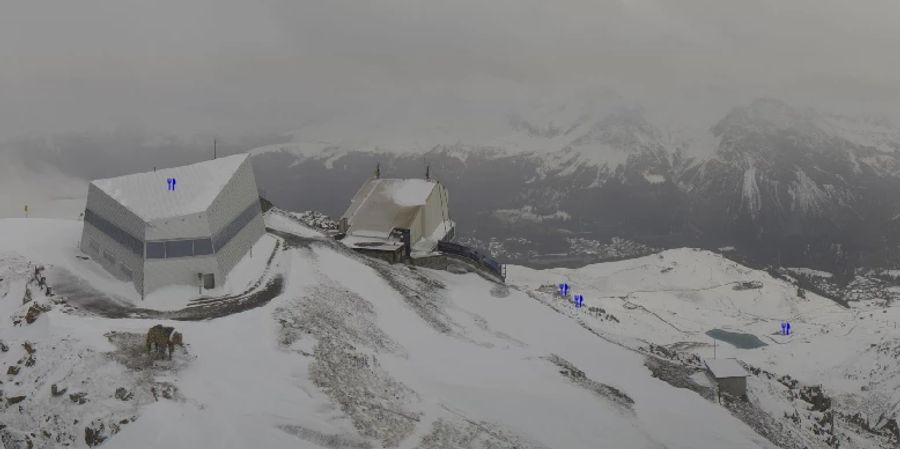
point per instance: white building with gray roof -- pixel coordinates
(175, 226)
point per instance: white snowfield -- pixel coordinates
(674, 298)
(353, 354)
(46, 191)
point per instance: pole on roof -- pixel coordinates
(378, 169)
(214, 148)
(428, 172)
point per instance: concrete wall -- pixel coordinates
(110, 209)
(435, 210)
(122, 256)
(240, 245)
(416, 226)
(236, 196)
(387, 256)
(192, 226)
(160, 273)
(734, 386)
(430, 216)
(238, 193)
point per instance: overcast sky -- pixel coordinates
(229, 67)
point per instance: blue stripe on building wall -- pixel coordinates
(114, 232)
(167, 249)
(164, 249)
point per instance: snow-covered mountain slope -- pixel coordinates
(599, 132)
(353, 353)
(779, 183)
(681, 298)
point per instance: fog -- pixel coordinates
(124, 73)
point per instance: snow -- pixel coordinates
(27, 237)
(806, 195)
(197, 185)
(811, 272)
(751, 191)
(461, 354)
(411, 192)
(527, 213)
(675, 297)
(723, 368)
(247, 271)
(427, 244)
(279, 221)
(654, 178)
(47, 192)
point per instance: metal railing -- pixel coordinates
(464, 251)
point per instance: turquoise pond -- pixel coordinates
(737, 339)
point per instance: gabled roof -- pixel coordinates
(724, 368)
(196, 187)
(381, 205)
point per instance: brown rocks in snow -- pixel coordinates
(93, 437)
(34, 312)
(55, 391)
(3, 347)
(78, 398)
(14, 399)
(29, 348)
(123, 395)
(13, 370)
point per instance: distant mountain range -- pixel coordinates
(778, 184)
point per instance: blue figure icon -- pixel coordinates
(171, 183)
(579, 300)
(564, 289)
(785, 328)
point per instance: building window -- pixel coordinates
(203, 247)
(156, 250)
(179, 248)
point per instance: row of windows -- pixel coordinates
(202, 247)
(179, 248)
(123, 238)
(232, 229)
(173, 248)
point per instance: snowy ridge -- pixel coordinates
(675, 298)
(355, 352)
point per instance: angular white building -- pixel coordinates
(176, 226)
(384, 210)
